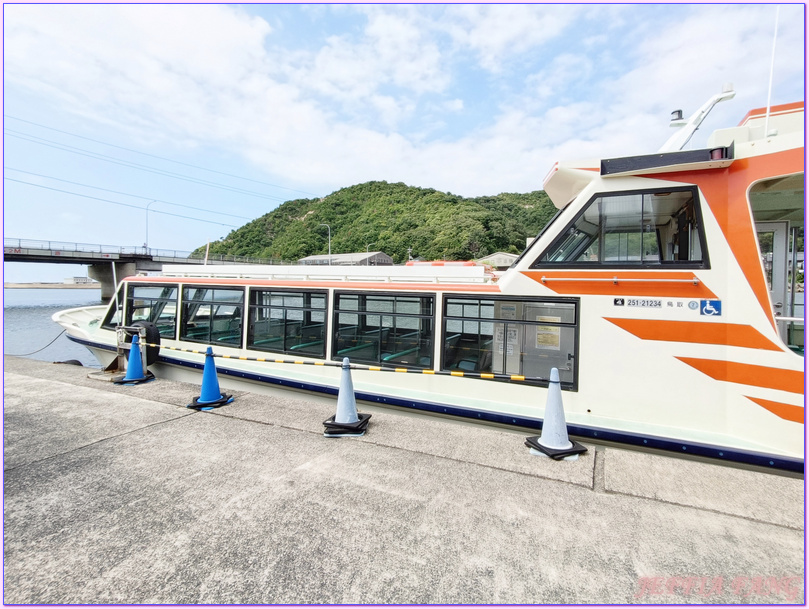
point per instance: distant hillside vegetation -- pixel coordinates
(392, 218)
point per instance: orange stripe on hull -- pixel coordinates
(774, 110)
(725, 191)
(785, 411)
(749, 374)
(654, 284)
(707, 333)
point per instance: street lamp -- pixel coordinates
(367, 250)
(146, 243)
(329, 227)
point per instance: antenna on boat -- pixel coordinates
(689, 127)
(772, 69)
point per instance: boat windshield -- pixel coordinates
(638, 228)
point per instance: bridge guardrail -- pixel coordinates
(62, 246)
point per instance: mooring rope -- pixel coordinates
(38, 350)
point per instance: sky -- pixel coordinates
(174, 124)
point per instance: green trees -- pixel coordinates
(392, 218)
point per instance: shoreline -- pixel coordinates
(44, 286)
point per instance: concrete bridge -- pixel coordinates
(110, 262)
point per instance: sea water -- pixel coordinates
(28, 328)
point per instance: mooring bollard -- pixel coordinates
(134, 366)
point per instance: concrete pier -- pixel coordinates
(123, 495)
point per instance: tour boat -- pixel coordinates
(662, 291)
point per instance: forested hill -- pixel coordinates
(392, 218)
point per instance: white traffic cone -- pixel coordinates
(346, 401)
(346, 422)
(554, 441)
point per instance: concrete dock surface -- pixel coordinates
(118, 494)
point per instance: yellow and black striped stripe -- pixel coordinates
(270, 360)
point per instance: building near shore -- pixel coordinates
(500, 261)
(79, 281)
(356, 259)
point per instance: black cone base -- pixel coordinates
(120, 379)
(340, 430)
(555, 453)
(197, 405)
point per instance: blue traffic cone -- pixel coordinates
(554, 441)
(346, 422)
(210, 396)
(134, 366)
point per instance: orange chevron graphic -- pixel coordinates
(785, 411)
(749, 374)
(708, 333)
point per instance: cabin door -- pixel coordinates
(773, 244)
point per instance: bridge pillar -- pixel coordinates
(102, 272)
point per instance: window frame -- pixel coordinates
(129, 298)
(575, 325)
(116, 305)
(183, 317)
(703, 264)
(336, 311)
(307, 311)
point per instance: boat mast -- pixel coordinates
(687, 128)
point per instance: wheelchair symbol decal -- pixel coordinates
(710, 307)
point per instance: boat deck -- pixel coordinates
(123, 495)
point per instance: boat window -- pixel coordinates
(287, 322)
(524, 337)
(384, 329)
(649, 229)
(154, 303)
(113, 317)
(212, 315)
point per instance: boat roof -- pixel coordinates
(410, 275)
(784, 122)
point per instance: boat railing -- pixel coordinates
(617, 280)
(130, 250)
(384, 274)
(792, 328)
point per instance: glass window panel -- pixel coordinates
(454, 325)
(294, 314)
(408, 305)
(348, 302)
(228, 295)
(394, 330)
(454, 309)
(348, 319)
(291, 325)
(531, 337)
(154, 292)
(293, 300)
(379, 304)
(635, 229)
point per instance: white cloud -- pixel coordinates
(497, 32)
(327, 116)
(680, 66)
(161, 65)
(566, 70)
